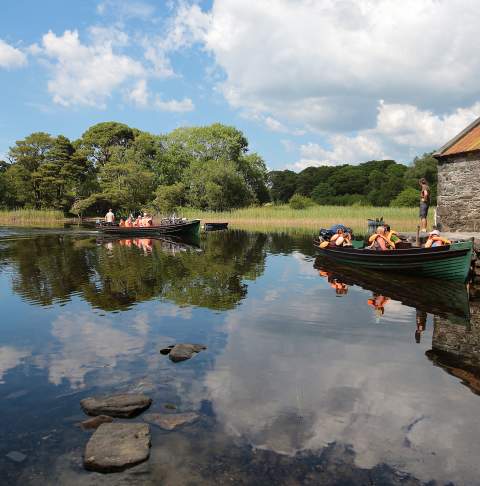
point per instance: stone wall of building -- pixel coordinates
(458, 200)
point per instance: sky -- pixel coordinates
(309, 82)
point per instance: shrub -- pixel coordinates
(297, 201)
(409, 197)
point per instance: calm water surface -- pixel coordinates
(313, 374)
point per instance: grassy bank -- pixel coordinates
(31, 217)
(283, 218)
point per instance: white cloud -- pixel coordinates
(398, 126)
(87, 74)
(139, 93)
(10, 57)
(10, 358)
(324, 65)
(176, 106)
(126, 9)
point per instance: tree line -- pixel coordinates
(209, 167)
(118, 166)
(376, 183)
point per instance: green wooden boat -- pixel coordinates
(188, 228)
(450, 262)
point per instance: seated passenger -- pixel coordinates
(138, 222)
(128, 222)
(341, 238)
(122, 222)
(434, 240)
(391, 235)
(378, 241)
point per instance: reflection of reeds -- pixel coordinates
(283, 218)
(44, 217)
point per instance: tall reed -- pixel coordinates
(31, 216)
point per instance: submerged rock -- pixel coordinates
(182, 352)
(114, 447)
(95, 422)
(170, 421)
(16, 456)
(125, 405)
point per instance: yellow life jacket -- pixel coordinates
(374, 237)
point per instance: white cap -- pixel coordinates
(434, 233)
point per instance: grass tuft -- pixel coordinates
(31, 217)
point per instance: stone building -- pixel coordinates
(458, 200)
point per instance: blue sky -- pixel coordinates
(309, 83)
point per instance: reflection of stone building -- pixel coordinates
(458, 206)
(456, 348)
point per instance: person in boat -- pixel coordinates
(129, 222)
(391, 234)
(110, 217)
(378, 241)
(424, 203)
(341, 238)
(138, 222)
(434, 240)
(121, 223)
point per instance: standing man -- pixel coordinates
(110, 217)
(424, 203)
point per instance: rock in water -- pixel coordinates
(16, 456)
(114, 447)
(95, 422)
(126, 405)
(170, 421)
(182, 352)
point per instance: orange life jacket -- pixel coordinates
(382, 241)
(432, 239)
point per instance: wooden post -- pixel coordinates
(417, 240)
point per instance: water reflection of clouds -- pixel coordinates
(286, 385)
(10, 358)
(88, 342)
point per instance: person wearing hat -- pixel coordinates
(434, 240)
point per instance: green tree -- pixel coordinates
(216, 185)
(169, 198)
(297, 201)
(100, 140)
(283, 184)
(254, 171)
(424, 166)
(409, 197)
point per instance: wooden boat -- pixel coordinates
(179, 227)
(215, 226)
(449, 299)
(450, 262)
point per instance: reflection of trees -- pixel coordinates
(115, 274)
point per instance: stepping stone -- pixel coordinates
(95, 422)
(182, 351)
(124, 406)
(115, 447)
(170, 421)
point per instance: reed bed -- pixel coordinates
(30, 217)
(284, 218)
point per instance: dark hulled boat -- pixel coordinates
(179, 228)
(215, 226)
(450, 262)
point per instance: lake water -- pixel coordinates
(313, 374)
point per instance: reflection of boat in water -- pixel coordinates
(443, 298)
(451, 262)
(215, 226)
(168, 244)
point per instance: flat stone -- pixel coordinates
(125, 405)
(16, 456)
(115, 447)
(182, 351)
(95, 422)
(170, 421)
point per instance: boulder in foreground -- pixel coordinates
(182, 352)
(124, 406)
(170, 421)
(115, 447)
